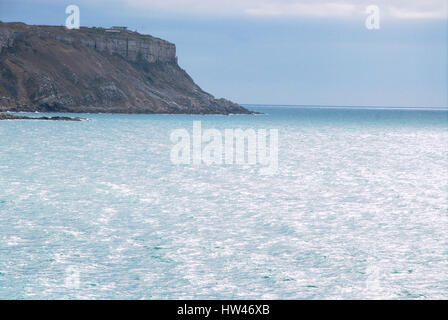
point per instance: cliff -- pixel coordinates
(50, 68)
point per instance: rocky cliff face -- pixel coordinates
(49, 68)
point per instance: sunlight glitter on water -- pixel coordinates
(358, 209)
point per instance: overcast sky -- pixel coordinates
(308, 52)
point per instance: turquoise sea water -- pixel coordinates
(357, 209)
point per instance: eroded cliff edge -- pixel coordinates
(51, 68)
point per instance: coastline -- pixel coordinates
(6, 116)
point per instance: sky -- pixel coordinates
(291, 52)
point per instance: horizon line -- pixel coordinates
(339, 106)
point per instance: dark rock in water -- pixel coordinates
(7, 116)
(53, 69)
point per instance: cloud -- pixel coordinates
(336, 9)
(395, 9)
(424, 9)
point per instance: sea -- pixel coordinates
(358, 208)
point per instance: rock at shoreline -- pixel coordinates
(7, 116)
(53, 69)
